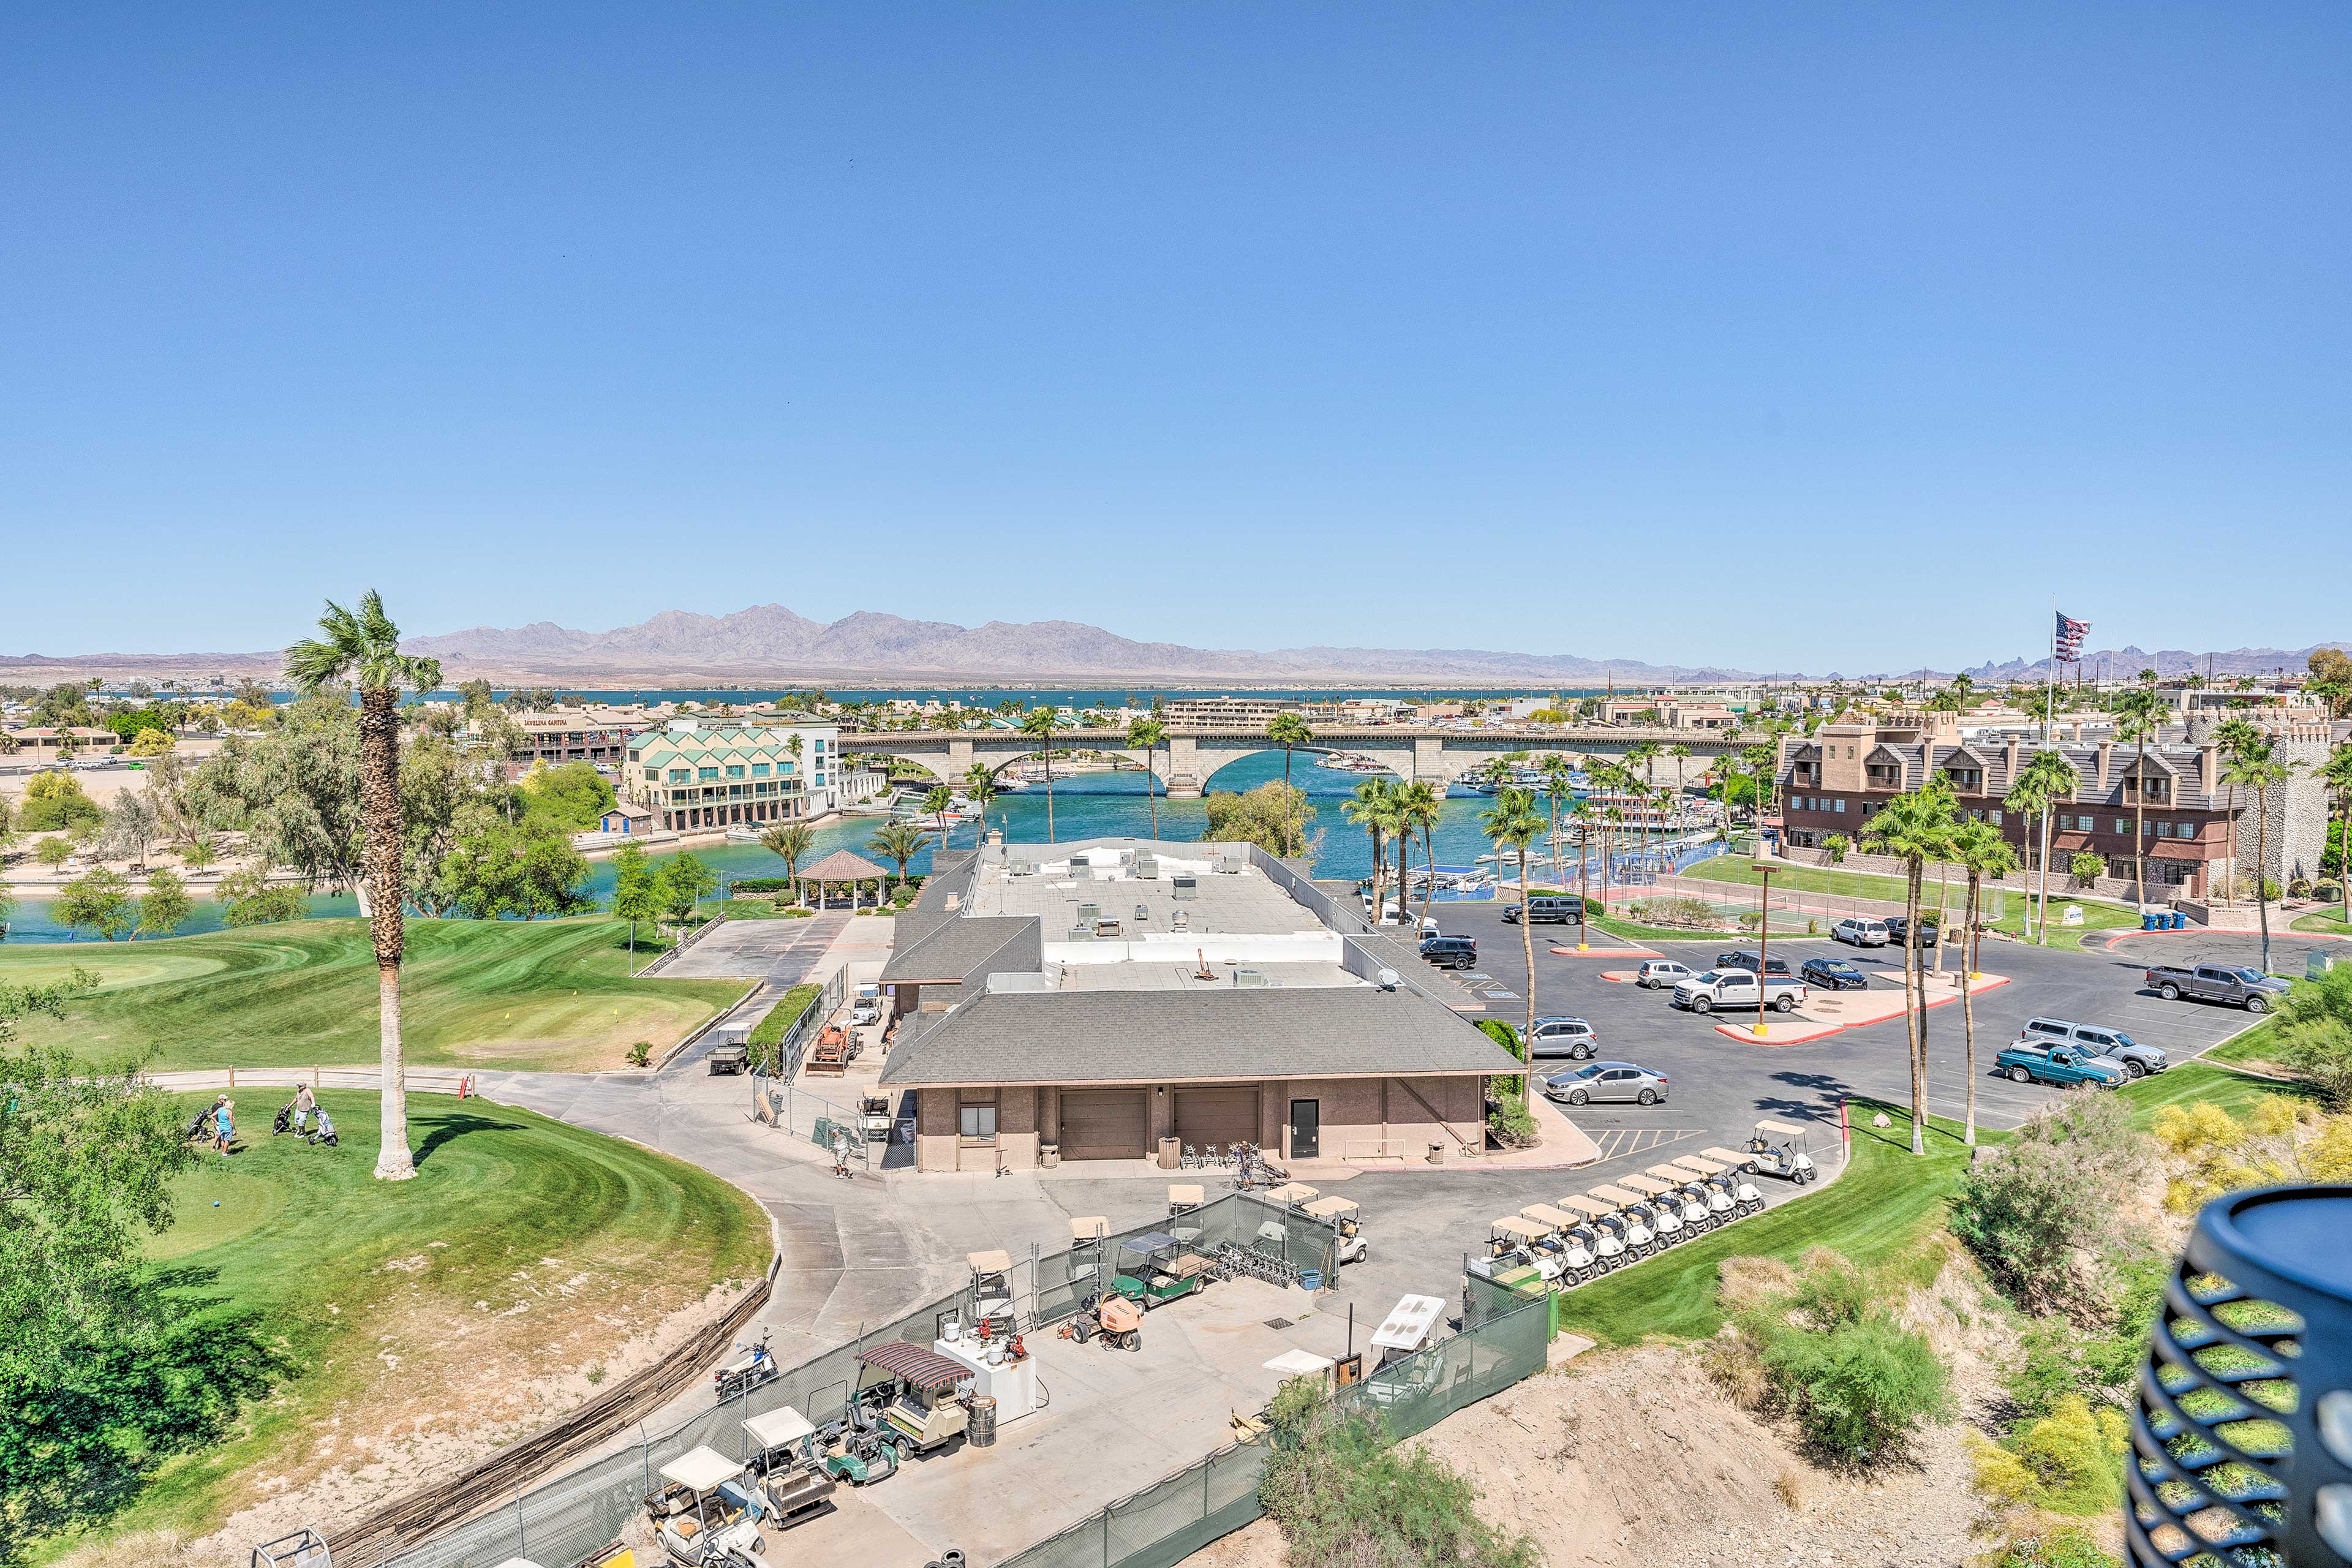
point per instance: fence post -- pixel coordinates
(1105, 1540)
(522, 1536)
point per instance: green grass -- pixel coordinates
(2322, 924)
(523, 1247)
(1632, 932)
(1882, 1213)
(2096, 915)
(543, 993)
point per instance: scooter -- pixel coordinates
(746, 1372)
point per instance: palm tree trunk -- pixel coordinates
(1912, 1019)
(1968, 1005)
(1404, 848)
(1429, 850)
(2261, 871)
(2041, 936)
(380, 859)
(2139, 822)
(1528, 944)
(1150, 788)
(1943, 909)
(1049, 795)
(1557, 875)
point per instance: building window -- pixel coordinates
(734, 770)
(679, 775)
(706, 773)
(978, 1122)
(759, 770)
(1839, 809)
(1968, 779)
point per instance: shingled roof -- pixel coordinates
(955, 948)
(841, 866)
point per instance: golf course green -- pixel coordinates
(478, 1299)
(549, 995)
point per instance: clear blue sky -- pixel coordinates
(1782, 336)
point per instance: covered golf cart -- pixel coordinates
(1569, 1241)
(1728, 1177)
(1350, 1243)
(706, 1510)
(1291, 1194)
(1184, 1200)
(792, 1472)
(1512, 1259)
(1780, 1149)
(1155, 1269)
(915, 1390)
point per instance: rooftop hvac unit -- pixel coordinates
(1246, 978)
(1142, 914)
(1147, 865)
(1089, 913)
(1082, 932)
(1081, 872)
(1180, 885)
(1021, 867)
(1231, 864)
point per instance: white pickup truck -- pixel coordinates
(1739, 988)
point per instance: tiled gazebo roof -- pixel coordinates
(841, 866)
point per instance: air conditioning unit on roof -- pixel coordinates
(1147, 865)
(1089, 913)
(1248, 978)
(1231, 864)
(1181, 886)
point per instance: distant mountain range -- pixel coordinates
(770, 645)
(2125, 662)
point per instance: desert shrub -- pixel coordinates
(2035, 1216)
(1512, 1124)
(2298, 887)
(2069, 1461)
(1345, 1497)
(1835, 1360)
(1691, 913)
(1835, 846)
(2276, 1140)
(2313, 1034)
(2098, 1359)
(641, 1054)
(2086, 869)
(2069, 1546)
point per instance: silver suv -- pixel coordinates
(2112, 1046)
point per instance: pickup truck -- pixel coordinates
(1738, 988)
(2024, 1063)
(2247, 988)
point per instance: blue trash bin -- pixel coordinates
(2148, 921)
(1310, 1279)
(2180, 921)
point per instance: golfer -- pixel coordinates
(224, 1124)
(306, 1106)
(841, 1153)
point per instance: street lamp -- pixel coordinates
(1763, 936)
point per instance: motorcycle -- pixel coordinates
(747, 1371)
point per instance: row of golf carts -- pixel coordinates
(1566, 1243)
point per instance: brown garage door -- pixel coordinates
(1220, 1116)
(1103, 1124)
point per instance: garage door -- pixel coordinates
(1103, 1124)
(1220, 1116)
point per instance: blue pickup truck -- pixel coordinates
(2027, 1063)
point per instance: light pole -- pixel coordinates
(1763, 935)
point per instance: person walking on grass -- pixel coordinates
(224, 1124)
(306, 1106)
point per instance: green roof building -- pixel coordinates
(694, 779)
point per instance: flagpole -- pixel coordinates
(2050, 686)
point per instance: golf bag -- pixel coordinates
(285, 1119)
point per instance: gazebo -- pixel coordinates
(844, 866)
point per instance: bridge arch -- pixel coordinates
(1304, 758)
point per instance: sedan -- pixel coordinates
(1602, 1083)
(1750, 962)
(1833, 974)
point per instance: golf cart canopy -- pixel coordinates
(1330, 1209)
(777, 1428)
(1732, 1157)
(1525, 1230)
(701, 1469)
(1784, 1129)
(1617, 1195)
(1094, 1227)
(1290, 1192)
(1185, 1193)
(1587, 1207)
(1408, 1323)
(914, 1366)
(990, 1262)
(1647, 1186)
(1548, 1217)
(1150, 1241)
(1683, 1173)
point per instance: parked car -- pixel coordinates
(2026, 1063)
(1451, 952)
(1569, 1037)
(1898, 927)
(2109, 1045)
(1832, 975)
(1601, 1083)
(1660, 972)
(1554, 909)
(2247, 988)
(1739, 988)
(1750, 962)
(1860, 933)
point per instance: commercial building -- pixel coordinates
(1238, 712)
(1087, 1001)
(40, 746)
(2197, 827)
(691, 777)
(579, 734)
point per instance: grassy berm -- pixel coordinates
(551, 995)
(423, 1321)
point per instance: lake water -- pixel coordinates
(1088, 805)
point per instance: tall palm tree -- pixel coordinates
(1419, 805)
(1368, 808)
(979, 788)
(1558, 788)
(1681, 754)
(1587, 819)
(936, 800)
(2233, 736)
(1983, 852)
(1512, 820)
(1915, 828)
(363, 649)
(1038, 725)
(1290, 732)
(790, 842)
(2139, 711)
(899, 841)
(2050, 778)
(2338, 774)
(1151, 734)
(2259, 768)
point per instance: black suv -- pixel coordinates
(1898, 928)
(1750, 962)
(1558, 908)
(1451, 952)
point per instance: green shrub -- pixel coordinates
(1345, 1497)
(768, 1032)
(2299, 888)
(2029, 1214)
(1835, 846)
(2069, 1461)
(641, 1054)
(2070, 1546)
(2086, 869)
(1512, 1124)
(1830, 1356)
(2313, 1036)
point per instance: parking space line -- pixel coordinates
(1616, 1141)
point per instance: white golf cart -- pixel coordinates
(1351, 1244)
(706, 1512)
(1780, 1149)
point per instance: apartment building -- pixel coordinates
(1223, 712)
(693, 778)
(40, 746)
(2197, 827)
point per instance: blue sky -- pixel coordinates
(1794, 336)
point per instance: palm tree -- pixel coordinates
(364, 650)
(2232, 736)
(936, 800)
(1983, 852)
(1558, 786)
(1513, 821)
(1419, 805)
(1290, 732)
(979, 788)
(1150, 734)
(899, 841)
(1915, 828)
(1368, 808)
(790, 842)
(1588, 817)
(2137, 714)
(1038, 725)
(2257, 767)
(1681, 754)
(2048, 779)
(2338, 773)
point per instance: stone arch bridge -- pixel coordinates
(1187, 757)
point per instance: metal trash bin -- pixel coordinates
(1171, 1154)
(1049, 1155)
(1438, 1154)
(983, 1433)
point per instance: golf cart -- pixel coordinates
(306, 1548)
(1697, 1199)
(732, 1057)
(1633, 1219)
(706, 1510)
(1778, 1149)
(915, 1391)
(1185, 1199)
(784, 1457)
(1731, 1173)
(1515, 1255)
(992, 1293)
(1570, 1242)
(1157, 1269)
(1665, 1211)
(1291, 1194)
(1351, 1244)
(873, 1117)
(1608, 1227)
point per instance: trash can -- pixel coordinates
(1050, 1157)
(1310, 1279)
(1438, 1154)
(2148, 922)
(1171, 1154)
(2180, 921)
(983, 1421)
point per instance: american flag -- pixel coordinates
(2068, 642)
